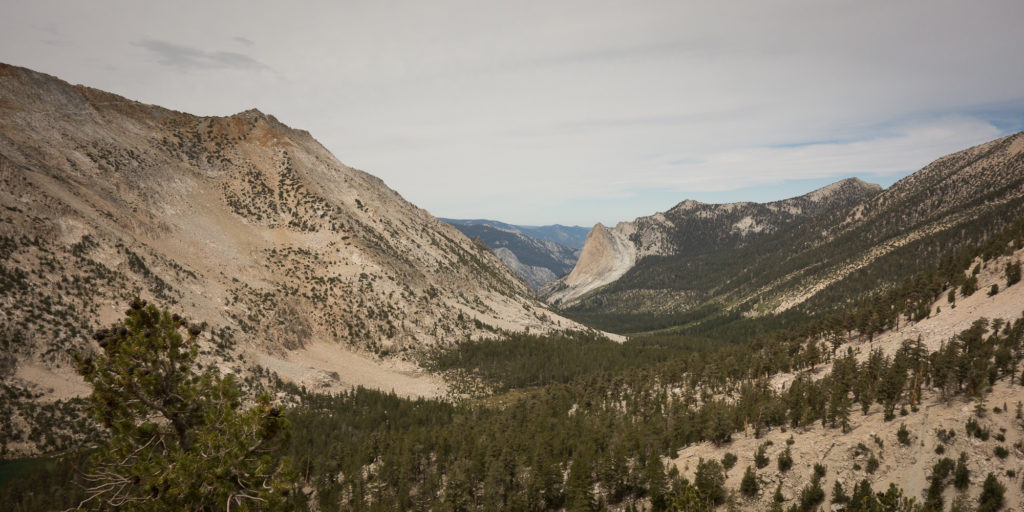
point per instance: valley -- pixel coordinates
(538, 254)
(854, 348)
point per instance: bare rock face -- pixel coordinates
(240, 222)
(607, 254)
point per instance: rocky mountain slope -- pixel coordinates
(937, 428)
(719, 260)
(239, 223)
(691, 229)
(538, 261)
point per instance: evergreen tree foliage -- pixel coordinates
(710, 481)
(811, 496)
(903, 435)
(579, 496)
(938, 480)
(969, 286)
(760, 456)
(838, 494)
(992, 495)
(180, 439)
(785, 460)
(749, 486)
(1012, 273)
(729, 460)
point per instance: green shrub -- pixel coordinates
(749, 485)
(903, 435)
(838, 495)
(872, 464)
(785, 460)
(1001, 452)
(760, 456)
(710, 480)
(728, 461)
(962, 475)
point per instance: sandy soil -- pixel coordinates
(55, 383)
(330, 368)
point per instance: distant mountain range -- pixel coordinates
(569, 236)
(815, 252)
(539, 254)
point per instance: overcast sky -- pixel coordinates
(566, 112)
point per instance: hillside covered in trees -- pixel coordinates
(662, 422)
(820, 262)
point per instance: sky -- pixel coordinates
(566, 112)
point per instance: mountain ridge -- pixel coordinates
(240, 223)
(568, 236)
(836, 257)
(660, 234)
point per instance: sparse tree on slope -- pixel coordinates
(1012, 273)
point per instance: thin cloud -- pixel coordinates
(911, 148)
(186, 57)
(575, 111)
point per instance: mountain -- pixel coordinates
(293, 261)
(853, 345)
(859, 240)
(537, 260)
(568, 236)
(692, 229)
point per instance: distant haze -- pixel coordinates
(539, 113)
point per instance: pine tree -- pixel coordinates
(1012, 273)
(710, 481)
(760, 456)
(969, 287)
(785, 460)
(656, 482)
(579, 493)
(962, 475)
(179, 439)
(992, 495)
(838, 495)
(749, 485)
